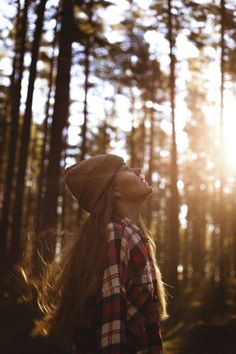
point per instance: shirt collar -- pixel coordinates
(133, 225)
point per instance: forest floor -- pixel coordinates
(203, 322)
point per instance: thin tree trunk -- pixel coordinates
(234, 240)
(105, 137)
(5, 129)
(140, 154)
(15, 98)
(132, 138)
(174, 199)
(40, 192)
(198, 252)
(222, 155)
(84, 147)
(59, 123)
(25, 139)
(214, 245)
(86, 88)
(7, 122)
(185, 258)
(29, 200)
(150, 164)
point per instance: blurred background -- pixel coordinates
(154, 82)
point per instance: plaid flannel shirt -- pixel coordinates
(126, 317)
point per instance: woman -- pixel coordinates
(107, 291)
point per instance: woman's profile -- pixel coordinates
(105, 292)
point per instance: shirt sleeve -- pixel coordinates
(112, 330)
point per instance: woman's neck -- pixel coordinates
(128, 210)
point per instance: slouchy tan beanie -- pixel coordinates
(88, 179)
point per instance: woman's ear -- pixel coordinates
(116, 193)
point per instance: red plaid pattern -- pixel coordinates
(126, 318)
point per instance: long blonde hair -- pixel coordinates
(161, 290)
(71, 284)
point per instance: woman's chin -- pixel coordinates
(149, 191)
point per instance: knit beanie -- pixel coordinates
(88, 179)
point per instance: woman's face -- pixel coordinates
(130, 185)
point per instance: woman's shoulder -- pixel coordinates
(128, 237)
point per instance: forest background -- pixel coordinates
(155, 82)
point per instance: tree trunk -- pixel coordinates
(25, 139)
(86, 88)
(132, 137)
(197, 212)
(222, 216)
(40, 191)
(150, 164)
(234, 239)
(59, 123)
(174, 198)
(84, 147)
(186, 250)
(15, 96)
